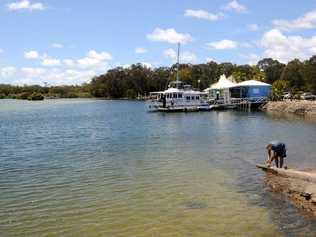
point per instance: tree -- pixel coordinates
(227, 69)
(272, 69)
(309, 73)
(243, 73)
(258, 74)
(293, 74)
(279, 87)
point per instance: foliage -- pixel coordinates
(278, 88)
(293, 74)
(137, 79)
(35, 96)
(272, 69)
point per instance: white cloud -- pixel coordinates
(169, 36)
(25, 5)
(1, 50)
(46, 60)
(253, 27)
(145, 64)
(252, 58)
(31, 72)
(7, 71)
(208, 59)
(308, 21)
(223, 44)
(95, 59)
(185, 57)
(140, 50)
(50, 62)
(59, 72)
(99, 56)
(31, 55)
(285, 48)
(170, 53)
(57, 46)
(234, 5)
(201, 14)
(53, 76)
(69, 62)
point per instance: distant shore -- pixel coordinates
(298, 107)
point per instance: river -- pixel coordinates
(109, 168)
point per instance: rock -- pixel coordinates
(299, 107)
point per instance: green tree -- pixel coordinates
(293, 74)
(309, 73)
(272, 69)
(279, 87)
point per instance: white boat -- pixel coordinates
(178, 97)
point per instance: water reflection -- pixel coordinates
(108, 168)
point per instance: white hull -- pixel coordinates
(158, 107)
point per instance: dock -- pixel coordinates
(242, 104)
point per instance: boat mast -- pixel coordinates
(178, 61)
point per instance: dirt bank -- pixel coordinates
(299, 107)
(298, 186)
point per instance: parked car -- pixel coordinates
(308, 96)
(287, 95)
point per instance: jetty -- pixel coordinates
(299, 186)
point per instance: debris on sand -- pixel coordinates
(299, 186)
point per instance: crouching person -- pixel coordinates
(277, 153)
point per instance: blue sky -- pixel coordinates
(68, 41)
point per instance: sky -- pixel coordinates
(63, 42)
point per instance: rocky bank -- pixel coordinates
(299, 107)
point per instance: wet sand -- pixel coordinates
(298, 186)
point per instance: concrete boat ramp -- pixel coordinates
(299, 186)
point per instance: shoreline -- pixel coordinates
(297, 107)
(298, 186)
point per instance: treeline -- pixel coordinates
(139, 80)
(36, 92)
(294, 77)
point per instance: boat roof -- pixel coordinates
(252, 83)
(176, 90)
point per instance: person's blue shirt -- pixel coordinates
(279, 148)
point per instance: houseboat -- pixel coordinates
(179, 97)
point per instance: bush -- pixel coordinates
(131, 94)
(36, 96)
(23, 95)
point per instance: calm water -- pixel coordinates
(108, 168)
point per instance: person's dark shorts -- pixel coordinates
(280, 150)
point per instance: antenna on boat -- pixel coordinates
(178, 61)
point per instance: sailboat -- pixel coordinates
(179, 97)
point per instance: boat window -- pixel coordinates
(192, 97)
(198, 97)
(175, 96)
(188, 97)
(167, 96)
(179, 95)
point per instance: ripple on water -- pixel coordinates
(107, 168)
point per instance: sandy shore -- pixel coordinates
(299, 107)
(298, 186)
